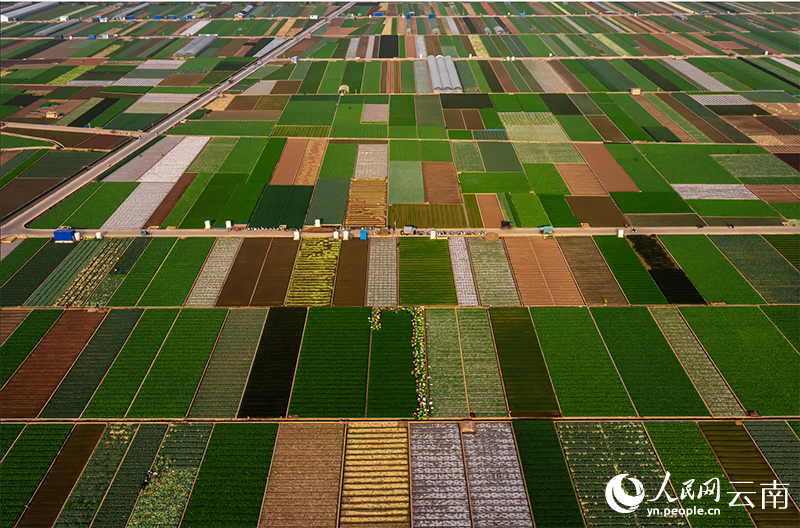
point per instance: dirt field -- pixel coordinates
(161, 212)
(598, 285)
(351, 279)
(453, 119)
(556, 273)
(366, 203)
(531, 285)
(8, 155)
(606, 128)
(597, 211)
(244, 102)
(182, 79)
(101, 142)
(54, 490)
(20, 191)
(662, 118)
(244, 273)
(699, 123)
(9, 321)
(308, 171)
(274, 279)
(28, 390)
(286, 87)
(472, 119)
(290, 159)
(491, 214)
(504, 78)
(574, 84)
(441, 183)
(773, 193)
(580, 179)
(605, 167)
(231, 48)
(303, 486)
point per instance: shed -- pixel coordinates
(363, 235)
(65, 236)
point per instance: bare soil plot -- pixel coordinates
(308, 171)
(244, 102)
(290, 160)
(574, 84)
(472, 119)
(441, 182)
(606, 128)
(304, 478)
(453, 119)
(8, 155)
(20, 191)
(9, 321)
(286, 87)
(491, 214)
(662, 118)
(581, 180)
(778, 125)
(598, 285)
(556, 272)
(231, 48)
(27, 391)
(182, 79)
(712, 133)
(101, 142)
(748, 125)
(504, 78)
(244, 273)
(366, 203)
(531, 284)
(67, 138)
(351, 277)
(597, 211)
(274, 280)
(161, 212)
(54, 490)
(773, 193)
(606, 168)
(433, 45)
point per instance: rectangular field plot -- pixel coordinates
(314, 273)
(446, 386)
(492, 273)
(638, 285)
(23, 283)
(598, 285)
(171, 285)
(244, 273)
(392, 388)
(427, 216)
(141, 273)
(276, 273)
(485, 395)
(24, 339)
(426, 275)
(382, 272)
(351, 277)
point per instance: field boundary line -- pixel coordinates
(461, 358)
(82, 203)
(24, 264)
(252, 360)
(569, 472)
(336, 276)
(611, 357)
(769, 464)
(197, 473)
(200, 271)
(608, 267)
(289, 286)
(466, 471)
(205, 369)
(228, 272)
(260, 272)
(105, 276)
(544, 279)
(369, 362)
(341, 471)
(297, 361)
(544, 359)
(522, 471)
(25, 425)
(499, 368)
(174, 243)
(37, 343)
(139, 494)
(760, 307)
(572, 275)
(511, 271)
(55, 269)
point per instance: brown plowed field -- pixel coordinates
(9, 321)
(597, 211)
(574, 84)
(453, 119)
(20, 191)
(182, 79)
(491, 214)
(29, 389)
(363, 42)
(303, 486)
(308, 171)
(606, 128)
(699, 123)
(649, 48)
(556, 273)
(664, 119)
(366, 203)
(290, 160)
(773, 193)
(778, 125)
(606, 168)
(8, 155)
(274, 279)
(65, 137)
(472, 119)
(244, 102)
(432, 45)
(286, 87)
(598, 285)
(441, 182)
(411, 48)
(527, 273)
(272, 102)
(504, 78)
(748, 125)
(54, 490)
(580, 179)
(230, 49)
(244, 273)
(101, 142)
(351, 276)
(161, 212)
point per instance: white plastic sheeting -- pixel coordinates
(134, 169)
(170, 167)
(699, 76)
(419, 44)
(443, 75)
(352, 48)
(194, 28)
(269, 47)
(197, 46)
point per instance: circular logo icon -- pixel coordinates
(618, 499)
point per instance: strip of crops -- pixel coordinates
(314, 273)
(26, 464)
(391, 389)
(492, 273)
(787, 245)
(19, 287)
(24, 339)
(19, 256)
(122, 381)
(785, 318)
(481, 372)
(86, 374)
(118, 271)
(546, 475)
(598, 451)
(382, 272)
(528, 388)
(79, 291)
(426, 275)
(212, 277)
(8, 435)
(171, 285)
(85, 499)
(224, 380)
(331, 373)
(686, 455)
(234, 471)
(638, 285)
(755, 358)
(67, 271)
(162, 501)
(655, 379)
(270, 382)
(709, 270)
(173, 378)
(462, 272)
(124, 490)
(142, 272)
(584, 377)
(781, 447)
(446, 387)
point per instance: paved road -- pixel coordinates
(15, 224)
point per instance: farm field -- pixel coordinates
(453, 264)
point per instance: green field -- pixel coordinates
(426, 275)
(392, 388)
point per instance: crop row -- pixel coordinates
(781, 447)
(391, 365)
(35, 271)
(141, 272)
(446, 388)
(215, 271)
(177, 274)
(481, 372)
(116, 275)
(492, 273)
(95, 271)
(314, 273)
(426, 275)
(462, 272)
(19, 256)
(638, 285)
(67, 271)
(24, 339)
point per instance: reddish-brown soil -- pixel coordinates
(363, 42)
(491, 214)
(606, 128)
(366, 203)
(351, 277)
(679, 45)
(749, 125)
(773, 193)
(290, 159)
(244, 273)
(54, 490)
(411, 48)
(649, 48)
(9, 321)
(161, 212)
(441, 182)
(182, 79)
(453, 119)
(597, 211)
(598, 285)
(243, 102)
(29, 389)
(465, 40)
(505, 79)
(301, 46)
(574, 84)
(606, 168)
(472, 119)
(20, 191)
(580, 179)
(308, 171)
(556, 273)
(274, 279)
(231, 48)
(432, 45)
(8, 155)
(712, 133)
(65, 137)
(304, 479)
(286, 87)
(662, 118)
(531, 285)
(778, 125)
(101, 142)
